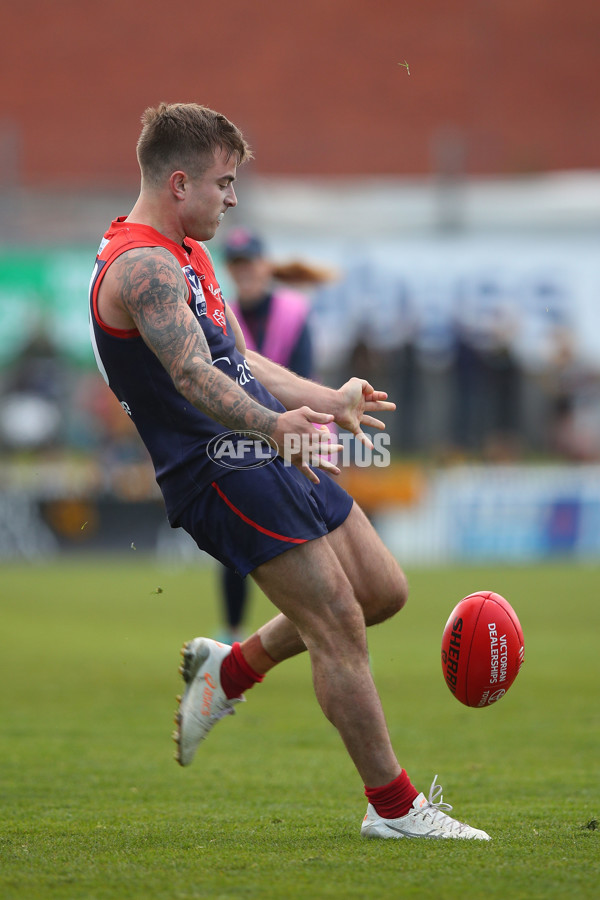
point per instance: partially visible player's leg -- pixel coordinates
(301, 542)
(313, 586)
(378, 582)
(327, 588)
(309, 586)
(234, 600)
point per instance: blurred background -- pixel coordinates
(443, 159)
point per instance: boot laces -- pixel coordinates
(436, 809)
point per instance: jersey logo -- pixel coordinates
(219, 317)
(215, 291)
(195, 282)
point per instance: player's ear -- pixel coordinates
(178, 184)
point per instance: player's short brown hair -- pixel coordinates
(185, 136)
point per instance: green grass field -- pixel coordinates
(93, 806)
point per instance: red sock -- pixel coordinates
(236, 675)
(256, 656)
(393, 800)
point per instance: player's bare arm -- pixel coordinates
(350, 405)
(236, 329)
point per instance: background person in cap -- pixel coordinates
(274, 318)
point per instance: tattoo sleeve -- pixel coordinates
(154, 292)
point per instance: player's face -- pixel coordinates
(209, 196)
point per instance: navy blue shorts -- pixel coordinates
(249, 516)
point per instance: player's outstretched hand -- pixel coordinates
(303, 440)
(358, 398)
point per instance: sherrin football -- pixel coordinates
(482, 649)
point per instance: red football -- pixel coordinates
(482, 649)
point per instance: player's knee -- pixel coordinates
(337, 625)
(397, 598)
(401, 591)
(345, 616)
(391, 600)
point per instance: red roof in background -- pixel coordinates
(318, 87)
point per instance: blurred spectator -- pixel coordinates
(32, 410)
(487, 375)
(573, 393)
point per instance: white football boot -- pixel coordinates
(426, 819)
(204, 701)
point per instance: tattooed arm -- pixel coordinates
(146, 289)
